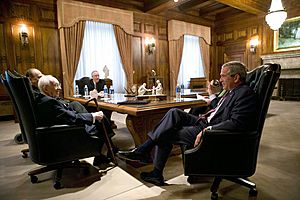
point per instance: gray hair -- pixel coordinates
(94, 72)
(237, 67)
(46, 80)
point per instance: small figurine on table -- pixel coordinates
(158, 88)
(106, 71)
(142, 89)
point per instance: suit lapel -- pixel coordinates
(226, 102)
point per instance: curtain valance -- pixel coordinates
(71, 12)
(176, 29)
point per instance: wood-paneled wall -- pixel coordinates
(43, 50)
(231, 38)
(143, 63)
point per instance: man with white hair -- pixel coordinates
(50, 112)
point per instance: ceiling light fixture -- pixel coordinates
(276, 15)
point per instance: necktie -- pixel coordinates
(209, 114)
(212, 114)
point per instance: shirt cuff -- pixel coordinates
(209, 128)
(94, 117)
(212, 96)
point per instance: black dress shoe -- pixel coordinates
(134, 155)
(151, 177)
(102, 162)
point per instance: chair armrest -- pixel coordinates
(64, 142)
(224, 137)
(61, 127)
(223, 152)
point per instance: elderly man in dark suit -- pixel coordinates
(51, 111)
(235, 111)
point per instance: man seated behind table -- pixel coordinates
(96, 85)
(34, 76)
(235, 111)
(50, 112)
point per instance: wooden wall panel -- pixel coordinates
(146, 25)
(3, 54)
(137, 59)
(43, 49)
(24, 55)
(163, 68)
(50, 52)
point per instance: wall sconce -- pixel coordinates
(253, 45)
(23, 35)
(150, 45)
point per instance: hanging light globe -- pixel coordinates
(276, 15)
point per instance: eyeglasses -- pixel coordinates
(57, 86)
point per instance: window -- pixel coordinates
(191, 64)
(100, 48)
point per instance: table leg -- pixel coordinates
(141, 125)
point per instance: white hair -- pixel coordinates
(46, 80)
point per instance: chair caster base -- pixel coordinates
(33, 179)
(19, 139)
(57, 185)
(214, 196)
(253, 192)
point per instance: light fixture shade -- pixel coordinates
(276, 15)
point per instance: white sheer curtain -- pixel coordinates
(99, 49)
(191, 64)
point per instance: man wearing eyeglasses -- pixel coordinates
(51, 111)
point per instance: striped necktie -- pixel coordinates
(212, 114)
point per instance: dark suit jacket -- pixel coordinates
(50, 112)
(238, 110)
(99, 85)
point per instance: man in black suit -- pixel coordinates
(96, 83)
(235, 111)
(51, 111)
(34, 76)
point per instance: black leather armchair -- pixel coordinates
(81, 83)
(233, 155)
(55, 147)
(19, 138)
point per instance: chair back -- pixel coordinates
(4, 82)
(22, 96)
(81, 83)
(262, 80)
